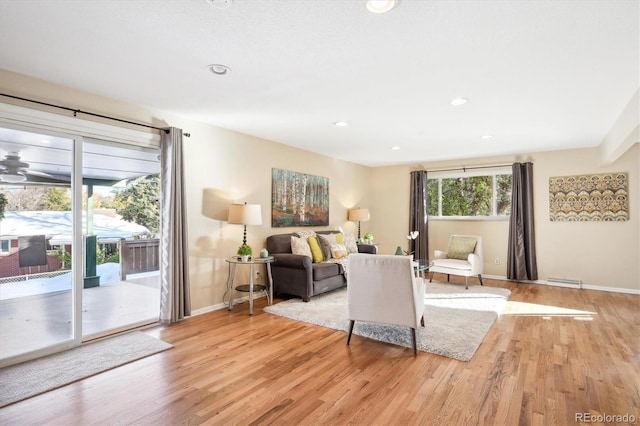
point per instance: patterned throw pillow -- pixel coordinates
(339, 238)
(460, 248)
(300, 246)
(350, 243)
(338, 251)
(305, 234)
(316, 251)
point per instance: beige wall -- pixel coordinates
(222, 167)
(225, 166)
(601, 254)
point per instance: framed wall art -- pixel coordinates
(298, 199)
(601, 197)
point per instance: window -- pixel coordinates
(487, 195)
(5, 246)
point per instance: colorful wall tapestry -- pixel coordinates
(298, 199)
(602, 197)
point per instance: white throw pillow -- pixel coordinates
(338, 251)
(300, 246)
(350, 243)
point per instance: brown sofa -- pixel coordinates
(297, 275)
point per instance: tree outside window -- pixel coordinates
(470, 196)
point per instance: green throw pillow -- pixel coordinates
(461, 247)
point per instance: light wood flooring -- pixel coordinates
(558, 352)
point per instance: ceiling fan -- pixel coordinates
(13, 170)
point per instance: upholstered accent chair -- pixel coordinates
(384, 289)
(463, 257)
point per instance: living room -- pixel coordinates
(237, 168)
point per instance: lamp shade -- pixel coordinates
(245, 214)
(360, 215)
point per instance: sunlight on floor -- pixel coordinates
(523, 308)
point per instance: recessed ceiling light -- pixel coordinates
(486, 136)
(220, 4)
(380, 6)
(219, 69)
(395, 148)
(459, 101)
(341, 124)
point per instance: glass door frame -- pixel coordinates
(76, 261)
(43, 122)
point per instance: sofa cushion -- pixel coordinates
(461, 247)
(350, 243)
(316, 251)
(305, 234)
(324, 270)
(300, 246)
(325, 245)
(338, 251)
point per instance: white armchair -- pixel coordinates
(463, 257)
(384, 289)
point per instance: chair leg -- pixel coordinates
(422, 321)
(466, 283)
(480, 278)
(430, 276)
(350, 331)
(448, 276)
(413, 339)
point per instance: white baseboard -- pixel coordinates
(583, 286)
(223, 305)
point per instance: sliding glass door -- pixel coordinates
(121, 220)
(37, 299)
(79, 249)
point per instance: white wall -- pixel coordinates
(225, 166)
(601, 254)
(222, 167)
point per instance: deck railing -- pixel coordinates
(139, 256)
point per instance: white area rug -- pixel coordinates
(21, 381)
(456, 320)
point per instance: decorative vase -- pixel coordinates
(264, 253)
(399, 251)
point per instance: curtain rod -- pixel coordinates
(78, 111)
(464, 169)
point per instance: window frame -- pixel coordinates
(462, 173)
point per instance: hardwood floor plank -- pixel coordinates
(579, 352)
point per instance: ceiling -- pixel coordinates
(47, 159)
(539, 75)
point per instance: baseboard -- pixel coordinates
(583, 286)
(223, 305)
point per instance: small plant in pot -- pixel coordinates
(244, 251)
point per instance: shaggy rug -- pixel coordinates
(456, 320)
(31, 378)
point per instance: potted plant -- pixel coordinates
(368, 238)
(244, 251)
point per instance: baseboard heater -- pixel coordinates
(565, 281)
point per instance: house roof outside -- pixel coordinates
(56, 225)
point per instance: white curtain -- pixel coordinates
(175, 302)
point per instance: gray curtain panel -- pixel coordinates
(175, 303)
(521, 253)
(418, 215)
